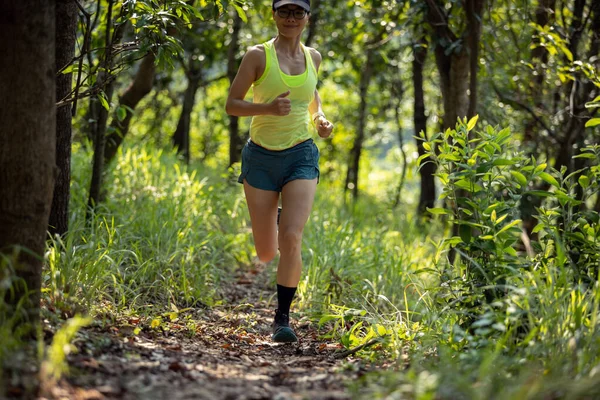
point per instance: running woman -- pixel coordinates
(281, 157)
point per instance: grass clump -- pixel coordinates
(162, 236)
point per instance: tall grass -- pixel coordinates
(164, 234)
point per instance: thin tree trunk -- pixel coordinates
(315, 14)
(100, 134)
(139, 88)
(354, 162)
(457, 72)
(404, 163)
(236, 142)
(66, 32)
(574, 95)
(474, 18)
(544, 15)
(427, 195)
(181, 137)
(27, 142)
(453, 68)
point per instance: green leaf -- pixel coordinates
(121, 113)
(541, 167)
(592, 122)
(503, 161)
(585, 155)
(454, 240)
(502, 218)
(471, 187)
(492, 207)
(538, 227)
(519, 177)
(438, 211)
(508, 226)
(584, 181)
(421, 158)
(103, 100)
(241, 13)
(465, 233)
(472, 123)
(549, 179)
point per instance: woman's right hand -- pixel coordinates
(281, 105)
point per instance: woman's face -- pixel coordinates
(290, 19)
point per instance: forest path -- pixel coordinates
(231, 356)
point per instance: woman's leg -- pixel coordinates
(262, 205)
(297, 200)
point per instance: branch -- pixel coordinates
(86, 49)
(438, 22)
(525, 107)
(90, 92)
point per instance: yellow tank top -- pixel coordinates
(282, 132)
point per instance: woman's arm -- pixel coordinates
(315, 106)
(324, 127)
(253, 63)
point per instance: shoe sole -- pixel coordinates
(285, 335)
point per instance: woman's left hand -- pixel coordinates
(324, 127)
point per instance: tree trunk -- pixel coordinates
(574, 95)
(100, 134)
(99, 146)
(139, 88)
(458, 69)
(474, 10)
(427, 195)
(66, 32)
(236, 142)
(544, 14)
(353, 164)
(398, 113)
(181, 137)
(454, 76)
(27, 141)
(453, 67)
(315, 13)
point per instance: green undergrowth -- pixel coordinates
(164, 237)
(495, 324)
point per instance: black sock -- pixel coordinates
(285, 295)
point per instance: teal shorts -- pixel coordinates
(272, 170)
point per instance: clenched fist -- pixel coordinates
(324, 127)
(281, 105)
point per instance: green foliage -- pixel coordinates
(569, 227)
(483, 180)
(163, 237)
(54, 364)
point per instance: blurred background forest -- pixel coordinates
(456, 221)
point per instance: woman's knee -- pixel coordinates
(266, 255)
(290, 238)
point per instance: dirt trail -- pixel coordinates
(230, 357)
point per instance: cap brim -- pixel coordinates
(294, 2)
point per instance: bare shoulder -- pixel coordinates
(255, 53)
(316, 56)
(254, 62)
